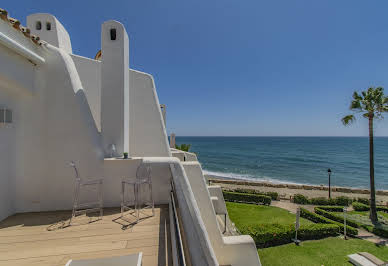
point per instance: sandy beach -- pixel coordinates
(287, 190)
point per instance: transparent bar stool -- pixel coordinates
(93, 206)
(143, 178)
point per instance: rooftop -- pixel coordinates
(46, 238)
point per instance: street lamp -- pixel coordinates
(329, 172)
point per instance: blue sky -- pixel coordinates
(271, 68)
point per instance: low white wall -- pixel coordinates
(201, 252)
(184, 156)
(231, 250)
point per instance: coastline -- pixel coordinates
(286, 190)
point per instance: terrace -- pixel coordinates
(47, 239)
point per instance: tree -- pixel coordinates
(371, 104)
(183, 147)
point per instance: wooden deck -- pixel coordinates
(47, 239)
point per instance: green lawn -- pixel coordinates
(329, 251)
(243, 214)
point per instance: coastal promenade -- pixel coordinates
(288, 190)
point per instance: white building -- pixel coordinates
(57, 107)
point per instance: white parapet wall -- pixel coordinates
(229, 250)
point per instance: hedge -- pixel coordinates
(358, 206)
(300, 199)
(339, 201)
(382, 208)
(322, 201)
(332, 208)
(378, 230)
(273, 195)
(316, 218)
(337, 218)
(267, 235)
(363, 200)
(245, 197)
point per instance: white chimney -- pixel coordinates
(115, 87)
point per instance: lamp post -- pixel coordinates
(329, 173)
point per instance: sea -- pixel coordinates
(298, 160)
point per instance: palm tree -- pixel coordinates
(183, 147)
(371, 104)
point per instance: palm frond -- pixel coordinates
(347, 120)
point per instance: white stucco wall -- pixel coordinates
(89, 71)
(7, 154)
(147, 131)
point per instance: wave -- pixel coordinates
(251, 178)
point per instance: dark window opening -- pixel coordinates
(113, 34)
(38, 25)
(48, 26)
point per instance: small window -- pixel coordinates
(5, 116)
(48, 26)
(113, 34)
(8, 116)
(38, 25)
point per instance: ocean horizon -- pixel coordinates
(296, 160)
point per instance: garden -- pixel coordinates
(321, 230)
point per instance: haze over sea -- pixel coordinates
(300, 160)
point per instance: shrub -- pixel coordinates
(300, 199)
(273, 195)
(363, 200)
(382, 208)
(337, 218)
(358, 206)
(380, 231)
(245, 197)
(316, 218)
(339, 201)
(321, 201)
(267, 235)
(332, 208)
(343, 201)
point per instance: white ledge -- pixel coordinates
(20, 49)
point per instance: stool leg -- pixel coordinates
(137, 202)
(122, 198)
(152, 199)
(100, 199)
(75, 200)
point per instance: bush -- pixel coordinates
(337, 218)
(358, 206)
(267, 235)
(245, 197)
(343, 201)
(363, 200)
(273, 195)
(382, 208)
(332, 208)
(380, 231)
(339, 201)
(316, 218)
(300, 199)
(322, 201)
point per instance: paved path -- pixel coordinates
(290, 206)
(362, 233)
